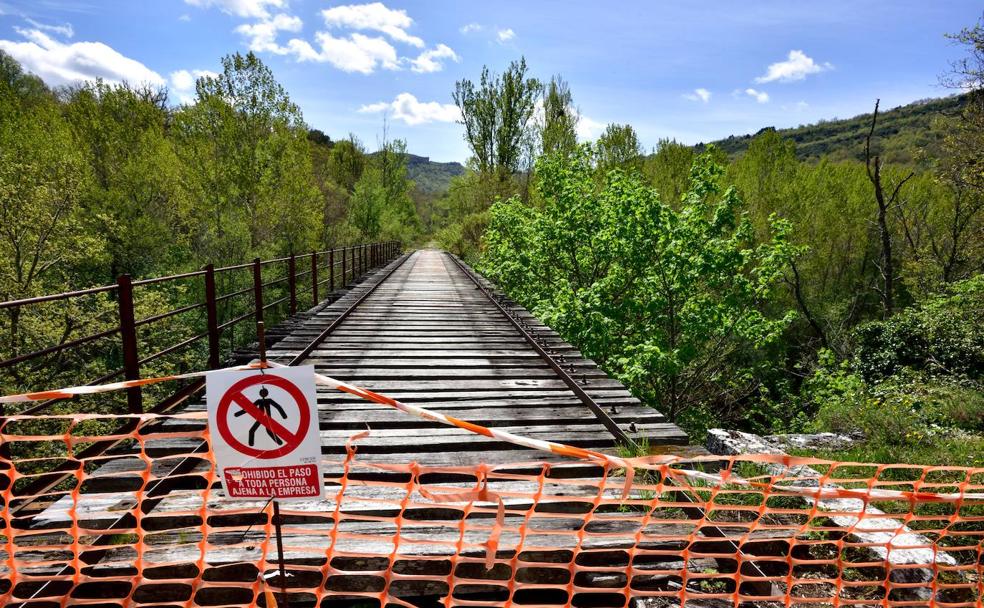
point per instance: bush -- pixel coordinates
(464, 237)
(907, 409)
(942, 336)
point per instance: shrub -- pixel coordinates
(942, 336)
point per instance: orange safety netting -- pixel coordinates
(148, 523)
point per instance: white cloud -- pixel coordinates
(241, 8)
(470, 27)
(66, 31)
(505, 35)
(184, 17)
(183, 83)
(759, 96)
(588, 129)
(430, 61)
(408, 109)
(262, 35)
(350, 51)
(796, 67)
(700, 94)
(357, 53)
(374, 17)
(59, 63)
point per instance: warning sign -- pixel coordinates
(264, 430)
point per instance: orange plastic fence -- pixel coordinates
(148, 524)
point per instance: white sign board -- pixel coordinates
(263, 426)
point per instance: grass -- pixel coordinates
(964, 451)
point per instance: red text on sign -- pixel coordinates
(277, 482)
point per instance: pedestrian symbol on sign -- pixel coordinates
(264, 405)
(263, 429)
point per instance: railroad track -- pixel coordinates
(434, 334)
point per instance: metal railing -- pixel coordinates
(254, 291)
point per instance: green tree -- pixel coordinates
(245, 145)
(135, 199)
(497, 117)
(619, 147)
(347, 161)
(368, 202)
(765, 172)
(668, 170)
(957, 249)
(44, 244)
(382, 207)
(558, 132)
(20, 89)
(670, 301)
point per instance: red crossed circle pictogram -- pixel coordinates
(235, 394)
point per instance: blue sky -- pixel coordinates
(693, 71)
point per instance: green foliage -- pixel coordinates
(618, 148)
(135, 200)
(346, 162)
(557, 135)
(906, 410)
(43, 176)
(246, 149)
(463, 237)
(905, 135)
(381, 204)
(942, 336)
(101, 180)
(914, 380)
(668, 170)
(670, 301)
(461, 215)
(497, 117)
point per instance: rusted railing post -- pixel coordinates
(292, 283)
(314, 278)
(211, 318)
(331, 271)
(258, 290)
(352, 249)
(342, 282)
(128, 337)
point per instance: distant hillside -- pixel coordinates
(903, 134)
(432, 178)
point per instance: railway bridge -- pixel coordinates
(112, 499)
